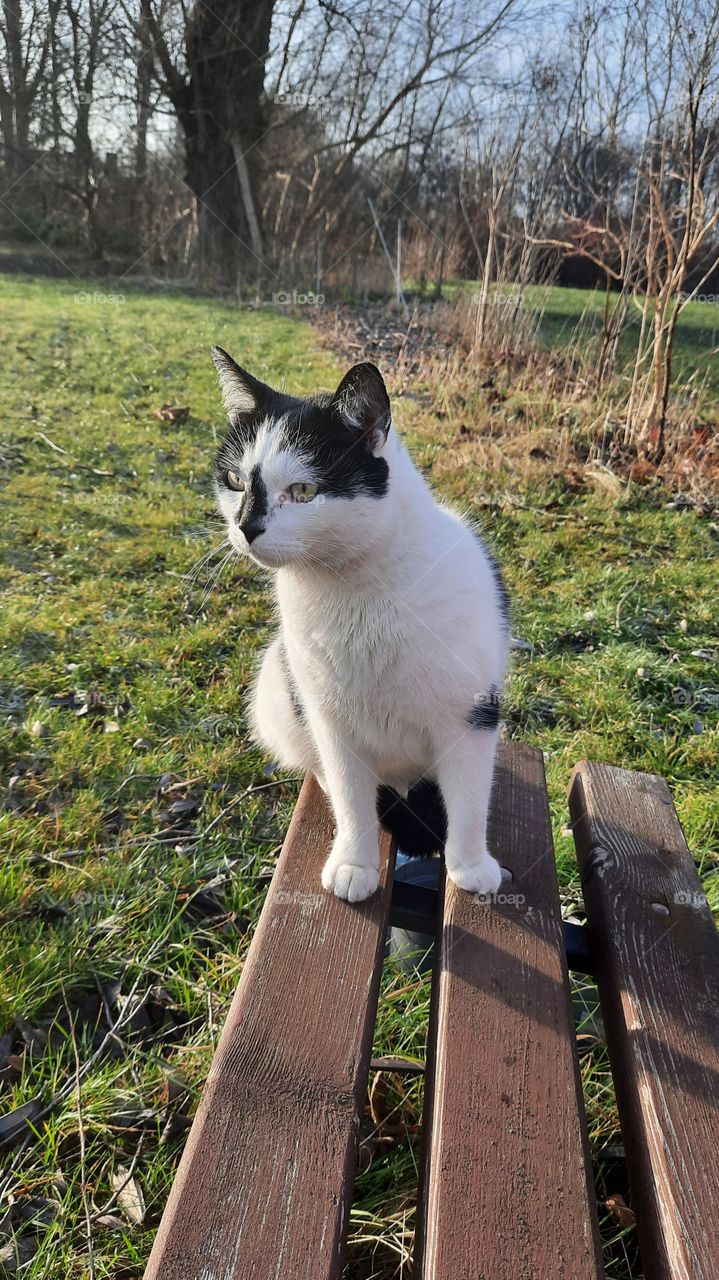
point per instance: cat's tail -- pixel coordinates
(419, 823)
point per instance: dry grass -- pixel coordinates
(522, 401)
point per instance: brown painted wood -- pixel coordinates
(658, 977)
(506, 1192)
(264, 1186)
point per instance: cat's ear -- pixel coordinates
(241, 393)
(362, 403)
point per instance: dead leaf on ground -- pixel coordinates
(38, 1210)
(110, 1221)
(620, 1211)
(129, 1195)
(14, 1124)
(172, 412)
(642, 471)
(16, 1254)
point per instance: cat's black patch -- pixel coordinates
(254, 505)
(502, 592)
(486, 710)
(419, 823)
(341, 457)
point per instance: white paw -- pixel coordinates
(484, 876)
(348, 880)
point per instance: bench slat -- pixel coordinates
(265, 1182)
(505, 1180)
(658, 978)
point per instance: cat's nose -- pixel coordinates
(251, 529)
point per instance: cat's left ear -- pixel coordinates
(241, 393)
(362, 403)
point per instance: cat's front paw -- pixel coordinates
(345, 877)
(483, 877)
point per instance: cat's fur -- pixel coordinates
(394, 632)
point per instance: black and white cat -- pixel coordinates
(385, 674)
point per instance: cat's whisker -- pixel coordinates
(189, 578)
(214, 579)
(211, 586)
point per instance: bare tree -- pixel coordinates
(87, 33)
(644, 211)
(25, 31)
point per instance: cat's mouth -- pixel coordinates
(268, 558)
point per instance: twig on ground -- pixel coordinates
(83, 1147)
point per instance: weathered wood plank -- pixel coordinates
(506, 1192)
(657, 962)
(265, 1182)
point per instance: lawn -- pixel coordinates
(139, 826)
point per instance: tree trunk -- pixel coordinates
(227, 46)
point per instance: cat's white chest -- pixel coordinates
(354, 658)
(354, 646)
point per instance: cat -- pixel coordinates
(385, 674)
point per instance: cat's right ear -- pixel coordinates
(241, 393)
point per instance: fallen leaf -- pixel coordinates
(172, 412)
(17, 1253)
(129, 1195)
(620, 1211)
(641, 471)
(15, 1123)
(110, 1221)
(37, 1209)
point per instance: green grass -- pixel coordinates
(104, 509)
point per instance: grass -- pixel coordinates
(562, 311)
(122, 695)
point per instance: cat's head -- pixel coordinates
(302, 481)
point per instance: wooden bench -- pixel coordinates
(264, 1186)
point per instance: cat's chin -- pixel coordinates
(282, 559)
(268, 559)
(273, 559)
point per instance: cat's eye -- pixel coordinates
(234, 481)
(302, 492)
